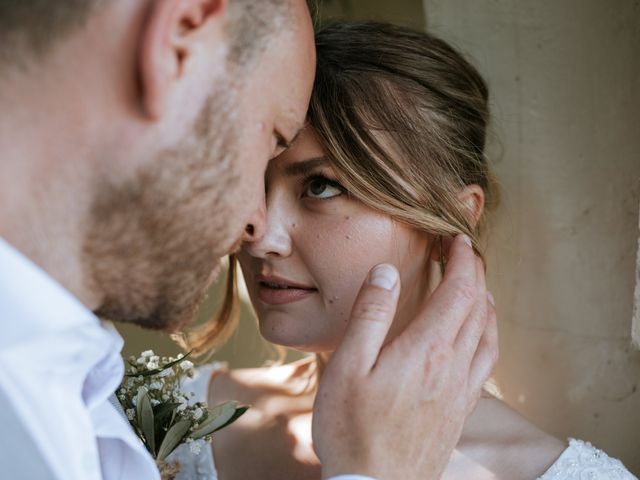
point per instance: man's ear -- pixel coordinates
(169, 37)
(472, 199)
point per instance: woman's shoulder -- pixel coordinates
(583, 460)
(250, 385)
(507, 444)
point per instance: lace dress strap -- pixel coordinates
(196, 459)
(582, 461)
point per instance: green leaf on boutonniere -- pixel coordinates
(145, 416)
(163, 415)
(219, 417)
(173, 437)
(164, 410)
(237, 414)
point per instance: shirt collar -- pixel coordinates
(32, 303)
(42, 317)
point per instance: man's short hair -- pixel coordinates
(31, 27)
(251, 23)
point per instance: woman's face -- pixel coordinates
(304, 273)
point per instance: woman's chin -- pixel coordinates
(308, 342)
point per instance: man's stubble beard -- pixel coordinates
(153, 244)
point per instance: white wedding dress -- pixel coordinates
(580, 461)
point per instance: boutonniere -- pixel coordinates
(162, 415)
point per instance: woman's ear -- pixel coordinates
(168, 39)
(472, 199)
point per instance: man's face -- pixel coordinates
(154, 242)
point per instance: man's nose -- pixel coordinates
(255, 227)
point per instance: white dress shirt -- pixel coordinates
(59, 366)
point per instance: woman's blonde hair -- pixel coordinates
(403, 119)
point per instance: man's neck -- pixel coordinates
(42, 187)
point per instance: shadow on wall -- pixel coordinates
(402, 12)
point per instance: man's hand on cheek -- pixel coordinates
(397, 412)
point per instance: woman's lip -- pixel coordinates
(281, 282)
(281, 296)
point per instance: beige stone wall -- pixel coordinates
(565, 81)
(636, 301)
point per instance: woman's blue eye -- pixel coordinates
(323, 188)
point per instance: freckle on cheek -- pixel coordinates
(293, 225)
(347, 217)
(348, 237)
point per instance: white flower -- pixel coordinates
(186, 365)
(156, 385)
(131, 413)
(155, 402)
(197, 414)
(155, 359)
(184, 403)
(147, 353)
(166, 373)
(152, 365)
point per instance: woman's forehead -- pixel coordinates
(306, 150)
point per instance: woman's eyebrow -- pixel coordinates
(305, 167)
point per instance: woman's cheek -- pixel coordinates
(343, 253)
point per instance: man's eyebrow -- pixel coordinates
(305, 167)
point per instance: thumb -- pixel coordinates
(371, 317)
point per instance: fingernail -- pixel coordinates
(492, 300)
(467, 240)
(384, 276)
